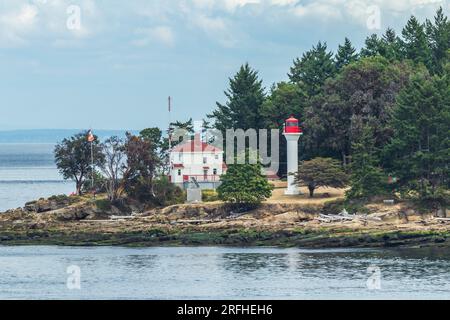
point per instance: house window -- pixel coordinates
(217, 157)
(179, 172)
(205, 160)
(180, 157)
(215, 171)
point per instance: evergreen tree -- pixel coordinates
(346, 54)
(311, 71)
(245, 100)
(363, 94)
(419, 153)
(392, 46)
(284, 99)
(415, 42)
(373, 46)
(439, 38)
(367, 178)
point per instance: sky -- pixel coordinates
(111, 64)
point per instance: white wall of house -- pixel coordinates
(207, 165)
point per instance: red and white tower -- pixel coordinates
(292, 133)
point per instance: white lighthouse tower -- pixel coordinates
(292, 133)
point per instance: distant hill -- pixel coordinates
(51, 135)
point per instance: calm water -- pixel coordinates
(28, 172)
(221, 273)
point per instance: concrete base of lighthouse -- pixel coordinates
(292, 192)
(292, 163)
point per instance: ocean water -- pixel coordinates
(28, 172)
(221, 273)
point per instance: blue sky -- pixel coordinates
(115, 66)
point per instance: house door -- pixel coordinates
(205, 175)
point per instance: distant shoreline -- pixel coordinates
(50, 136)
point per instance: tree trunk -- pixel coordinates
(79, 185)
(311, 191)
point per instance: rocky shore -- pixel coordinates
(84, 222)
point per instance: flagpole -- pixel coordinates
(92, 162)
(91, 140)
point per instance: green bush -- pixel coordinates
(210, 196)
(166, 193)
(103, 204)
(244, 187)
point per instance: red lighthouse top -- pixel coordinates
(292, 126)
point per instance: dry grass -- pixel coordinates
(321, 195)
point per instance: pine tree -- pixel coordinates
(392, 46)
(245, 99)
(367, 178)
(415, 42)
(284, 99)
(346, 54)
(419, 153)
(311, 71)
(373, 46)
(439, 38)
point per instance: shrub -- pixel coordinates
(103, 204)
(210, 195)
(244, 187)
(166, 193)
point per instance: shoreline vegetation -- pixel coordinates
(80, 221)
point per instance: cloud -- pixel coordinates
(23, 21)
(216, 28)
(157, 21)
(358, 11)
(161, 34)
(15, 24)
(231, 6)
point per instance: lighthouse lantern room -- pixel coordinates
(292, 133)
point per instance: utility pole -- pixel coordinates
(170, 122)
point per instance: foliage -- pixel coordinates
(245, 99)
(73, 158)
(321, 172)
(415, 42)
(140, 168)
(311, 71)
(114, 153)
(367, 177)
(284, 99)
(160, 144)
(210, 196)
(363, 94)
(244, 186)
(103, 204)
(166, 193)
(419, 152)
(439, 38)
(99, 183)
(346, 54)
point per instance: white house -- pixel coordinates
(197, 161)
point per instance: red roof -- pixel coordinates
(178, 166)
(195, 145)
